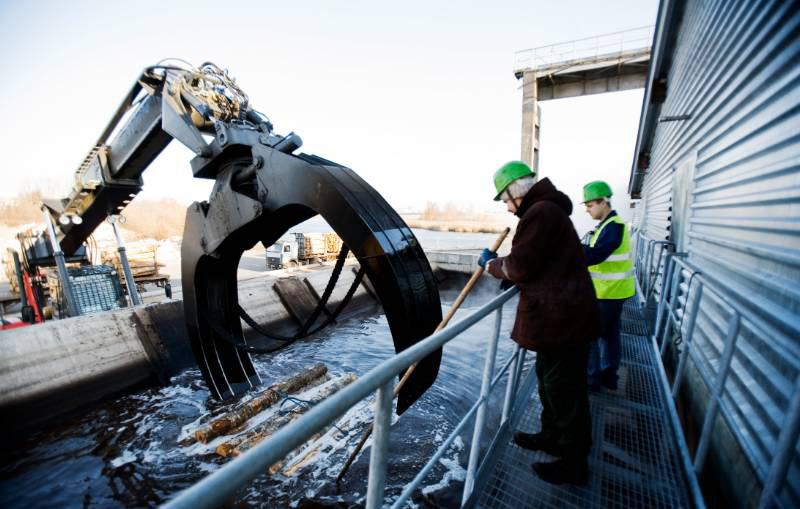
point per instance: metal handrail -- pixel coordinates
(668, 320)
(216, 488)
(647, 273)
(640, 38)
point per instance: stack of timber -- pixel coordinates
(333, 243)
(10, 271)
(142, 259)
(244, 427)
(310, 245)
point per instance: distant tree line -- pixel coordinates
(22, 209)
(156, 219)
(452, 212)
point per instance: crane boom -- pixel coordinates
(262, 188)
(164, 103)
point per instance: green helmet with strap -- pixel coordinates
(596, 190)
(508, 173)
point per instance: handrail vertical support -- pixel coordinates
(520, 366)
(667, 292)
(380, 446)
(666, 285)
(509, 396)
(673, 304)
(687, 341)
(480, 418)
(784, 451)
(716, 394)
(648, 260)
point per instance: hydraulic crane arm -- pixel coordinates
(262, 188)
(164, 103)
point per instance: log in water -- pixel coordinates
(264, 430)
(262, 401)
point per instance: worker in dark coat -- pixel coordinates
(556, 316)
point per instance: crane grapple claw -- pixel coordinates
(259, 203)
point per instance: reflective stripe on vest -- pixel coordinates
(613, 277)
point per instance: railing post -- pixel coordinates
(380, 445)
(640, 256)
(647, 255)
(784, 451)
(480, 418)
(673, 305)
(518, 371)
(669, 297)
(676, 385)
(637, 266)
(640, 253)
(664, 247)
(662, 299)
(716, 393)
(509, 397)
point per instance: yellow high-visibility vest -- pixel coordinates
(613, 277)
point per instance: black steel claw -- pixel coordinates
(260, 193)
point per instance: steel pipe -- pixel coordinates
(380, 445)
(687, 341)
(716, 393)
(480, 419)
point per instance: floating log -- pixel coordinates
(240, 444)
(274, 469)
(302, 456)
(245, 411)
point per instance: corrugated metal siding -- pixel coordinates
(736, 71)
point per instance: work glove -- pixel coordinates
(486, 255)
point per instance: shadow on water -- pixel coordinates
(125, 452)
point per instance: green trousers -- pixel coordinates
(565, 401)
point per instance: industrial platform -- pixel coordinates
(635, 459)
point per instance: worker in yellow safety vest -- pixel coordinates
(608, 255)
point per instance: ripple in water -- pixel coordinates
(125, 452)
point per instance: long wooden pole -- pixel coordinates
(452, 311)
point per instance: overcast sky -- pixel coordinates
(419, 98)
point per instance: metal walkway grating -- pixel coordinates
(634, 460)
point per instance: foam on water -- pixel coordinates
(126, 452)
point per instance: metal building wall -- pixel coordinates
(735, 81)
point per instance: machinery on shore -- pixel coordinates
(294, 249)
(93, 277)
(36, 276)
(263, 187)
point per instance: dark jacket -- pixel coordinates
(609, 240)
(557, 306)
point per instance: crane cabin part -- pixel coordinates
(263, 187)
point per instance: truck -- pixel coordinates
(283, 253)
(296, 249)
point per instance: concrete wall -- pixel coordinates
(54, 367)
(50, 369)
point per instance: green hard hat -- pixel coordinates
(596, 190)
(508, 173)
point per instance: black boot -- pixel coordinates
(536, 442)
(609, 379)
(563, 471)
